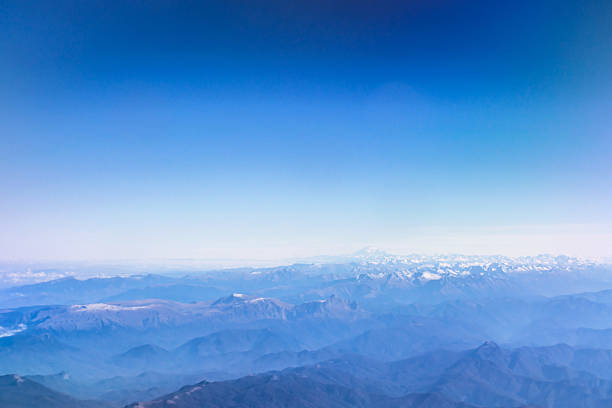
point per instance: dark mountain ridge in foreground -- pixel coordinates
(289, 390)
(487, 376)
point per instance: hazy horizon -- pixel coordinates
(285, 257)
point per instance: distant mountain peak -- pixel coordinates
(144, 350)
(488, 345)
(371, 252)
(488, 350)
(234, 297)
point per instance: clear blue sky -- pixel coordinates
(286, 128)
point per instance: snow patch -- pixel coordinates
(430, 276)
(94, 307)
(5, 332)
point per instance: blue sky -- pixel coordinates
(232, 129)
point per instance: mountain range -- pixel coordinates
(487, 376)
(372, 329)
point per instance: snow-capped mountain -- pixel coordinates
(368, 274)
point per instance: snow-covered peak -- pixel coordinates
(109, 307)
(374, 255)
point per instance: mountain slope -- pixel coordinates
(19, 392)
(288, 390)
(487, 376)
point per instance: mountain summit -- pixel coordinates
(371, 253)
